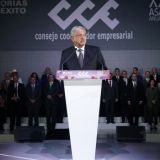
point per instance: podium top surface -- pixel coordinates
(82, 74)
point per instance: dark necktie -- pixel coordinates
(80, 58)
(33, 90)
(16, 89)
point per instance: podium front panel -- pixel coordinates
(83, 101)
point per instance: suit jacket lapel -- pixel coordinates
(87, 56)
(74, 59)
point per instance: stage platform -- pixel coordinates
(108, 148)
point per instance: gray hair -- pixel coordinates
(75, 29)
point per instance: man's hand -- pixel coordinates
(104, 100)
(154, 101)
(129, 103)
(32, 101)
(60, 95)
(116, 100)
(14, 98)
(49, 97)
(140, 102)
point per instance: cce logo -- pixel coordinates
(101, 14)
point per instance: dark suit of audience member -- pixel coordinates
(62, 103)
(109, 97)
(51, 91)
(145, 82)
(2, 107)
(135, 95)
(33, 99)
(152, 95)
(117, 78)
(5, 83)
(15, 98)
(123, 95)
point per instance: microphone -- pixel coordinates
(68, 58)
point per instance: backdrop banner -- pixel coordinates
(110, 24)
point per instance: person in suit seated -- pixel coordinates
(123, 95)
(33, 99)
(15, 99)
(51, 92)
(135, 93)
(81, 56)
(109, 96)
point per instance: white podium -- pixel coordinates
(83, 91)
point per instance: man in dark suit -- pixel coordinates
(33, 99)
(15, 98)
(117, 78)
(123, 95)
(109, 96)
(135, 98)
(81, 56)
(51, 92)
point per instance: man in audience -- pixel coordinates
(51, 91)
(155, 75)
(15, 72)
(6, 81)
(123, 95)
(145, 82)
(135, 70)
(117, 78)
(2, 107)
(152, 94)
(33, 97)
(15, 98)
(109, 97)
(135, 98)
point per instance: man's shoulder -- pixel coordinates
(91, 46)
(68, 49)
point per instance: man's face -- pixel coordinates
(147, 74)
(15, 78)
(79, 38)
(50, 78)
(117, 72)
(152, 83)
(154, 70)
(134, 77)
(33, 80)
(135, 70)
(124, 74)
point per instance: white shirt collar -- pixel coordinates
(83, 49)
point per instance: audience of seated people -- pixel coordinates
(132, 96)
